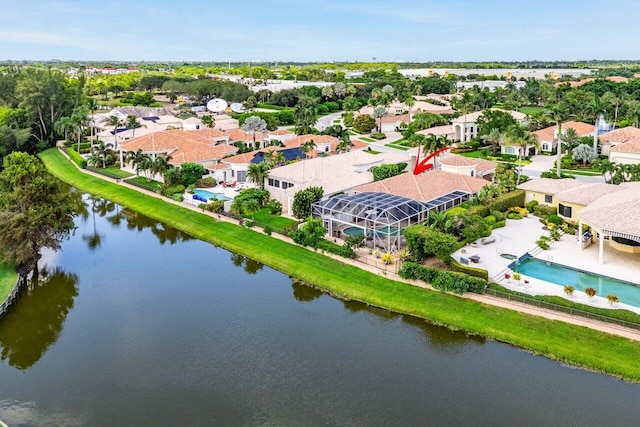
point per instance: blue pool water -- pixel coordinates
(561, 275)
(205, 195)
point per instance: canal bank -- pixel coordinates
(557, 340)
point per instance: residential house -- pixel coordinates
(466, 127)
(461, 165)
(544, 190)
(547, 137)
(618, 136)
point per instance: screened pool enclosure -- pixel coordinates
(380, 217)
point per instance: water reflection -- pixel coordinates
(303, 292)
(102, 207)
(34, 323)
(250, 266)
(139, 222)
(442, 339)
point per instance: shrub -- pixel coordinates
(174, 189)
(76, 158)
(514, 215)
(322, 109)
(530, 205)
(423, 241)
(612, 298)
(274, 206)
(364, 123)
(332, 106)
(343, 251)
(456, 211)
(554, 233)
(310, 234)
(378, 135)
(443, 280)
(501, 203)
(471, 271)
(177, 197)
(491, 220)
(206, 182)
(555, 219)
(591, 292)
(544, 211)
(544, 242)
(388, 258)
(267, 230)
(498, 215)
(568, 289)
(303, 200)
(517, 276)
(387, 171)
(499, 224)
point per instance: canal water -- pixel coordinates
(135, 323)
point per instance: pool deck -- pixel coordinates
(519, 237)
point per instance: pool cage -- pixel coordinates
(380, 217)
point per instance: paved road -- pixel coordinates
(326, 121)
(541, 164)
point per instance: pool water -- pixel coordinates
(207, 195)
(380, 232)
(561, 275)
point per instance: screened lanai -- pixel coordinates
(381, 217)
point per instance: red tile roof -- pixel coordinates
(548, 134)
(425, 186)
(620, 135)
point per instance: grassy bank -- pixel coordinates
(8, 278)
(576, 345)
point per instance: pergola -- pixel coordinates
(382, 217)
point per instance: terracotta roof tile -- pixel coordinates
(618, 211)
(619, 135)
(586, 194)
(548, 134)
(632, 146)
(425, 186)
(550, 185)
(482, 166)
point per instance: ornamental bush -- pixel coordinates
(458, 283)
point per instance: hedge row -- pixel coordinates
(458, 283)
(471, 271)
(103, 172)
(343, 251)
(500, 204)
(75, 157)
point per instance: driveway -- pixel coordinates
(326, 121)
(541, 164)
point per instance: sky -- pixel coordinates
(319, 30)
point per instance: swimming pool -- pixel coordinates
(380, 232)
(562, 275)
(204, 195)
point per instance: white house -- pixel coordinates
(548, 136)
(466, 127)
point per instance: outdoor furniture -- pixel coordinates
(474, 259)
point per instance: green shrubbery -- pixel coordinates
(312, 234)
(471, 271)
(387, 171)
(76, 158)
(500, 203)
(531, 205)
(378, 135)
(544, 211)
(458, 283)
(555, 219)
(206, 182)
(424, 241)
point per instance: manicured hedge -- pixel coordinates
(499, 224)
(501, 204)
(458, 283)
(471, 271)
(76, 158)
(343, 251)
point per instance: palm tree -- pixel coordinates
(605, 167)
(132, 123)
(160, 165)
(594, 109)
(570, 138)
(115, 122)
(494, 138)
(522, 138)
(378, 113)
(305, 115)
(271, 157)
(307, 146)
(102, 151)
(344, 145)
(136, 159)
(80, 120)
(633, 111)
(208, 121)
(409, 102)
(257, 173)
(559, 114)
(250, 207)
(64, 125)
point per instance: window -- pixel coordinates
(545, 147)
(548, 198)
(270, 182)
(242, 176)
(565, 211)
(286, 185)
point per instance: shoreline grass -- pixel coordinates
(8, 279)
(557, 340)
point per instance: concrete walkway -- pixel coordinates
(484, 299)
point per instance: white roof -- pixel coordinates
(334, 173)
(472, 117)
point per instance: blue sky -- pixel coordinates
(317, 30)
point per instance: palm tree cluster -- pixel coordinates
(150, 166)
(615, 173)
(515, 136)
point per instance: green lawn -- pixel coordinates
(141, 181)
(118, 172)
(531, 110)
(8, 278)
(364, 138)
(561, 341)
(337, 121)
(473, 154)
(397, 147)
(277, 222)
